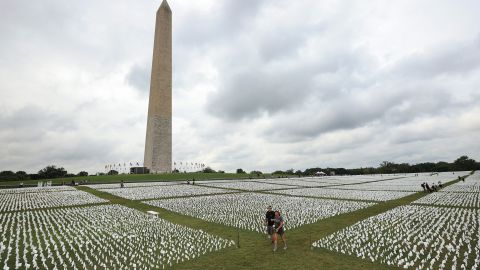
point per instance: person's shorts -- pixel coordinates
(281, 231)
(270, 230)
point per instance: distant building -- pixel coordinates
(139, 170)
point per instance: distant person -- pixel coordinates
(188, 182)
(427, 187)
(269, 221)
(279, 230)
(122, 184)
(423, 186)
(440, 184)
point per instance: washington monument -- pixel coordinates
(158, 142)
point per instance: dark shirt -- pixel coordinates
(278, 221)
(270, 216)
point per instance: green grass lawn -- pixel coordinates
(254, 250)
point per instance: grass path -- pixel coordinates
(254, 251)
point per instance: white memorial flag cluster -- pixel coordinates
(247, 185)
(131, 185)
(37, 189)
(464, 199)
(415, 237)
(98, 237)
(247, 210)
(163, 191)
(16, 201)
(295, 182)
(350, 179)
(346, 194)
(471, 184)
(463, 188)
(380, 186)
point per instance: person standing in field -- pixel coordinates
(279, 229)
(269, 217)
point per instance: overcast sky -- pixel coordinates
(258, 85)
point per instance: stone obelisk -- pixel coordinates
(158, 143)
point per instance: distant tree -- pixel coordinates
(425, 167)
(221, 171)
(112, 172)
(240, 171)
(464, 163)
(34, 176)
(51, 172)
(8, 175)
(290, 171)
(341, 171)
(21, 175)
(83, 173)
(298, 172)
(443, 166)
(312, 171)
(175, 171)
(278, 172)
(404, 168)
(387, 167)
(256, 172)
(208, 170)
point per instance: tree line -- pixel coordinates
(463, 163)
(49, 172)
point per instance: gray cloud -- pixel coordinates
(456, 59)
(224, 21)
(38, 137)
(35, 121)
(322, 105)
(263, 88)
(139, 77)
(257, 84)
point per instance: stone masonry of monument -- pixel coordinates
(158, 142)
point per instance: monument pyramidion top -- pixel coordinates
(164, 6)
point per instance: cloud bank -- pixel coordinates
(261, 85)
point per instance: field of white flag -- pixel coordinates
(417, 237)
(162, 191)
(14, 201)
(443, 234)
(98, 237)
(84, 228)
(247, 210)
